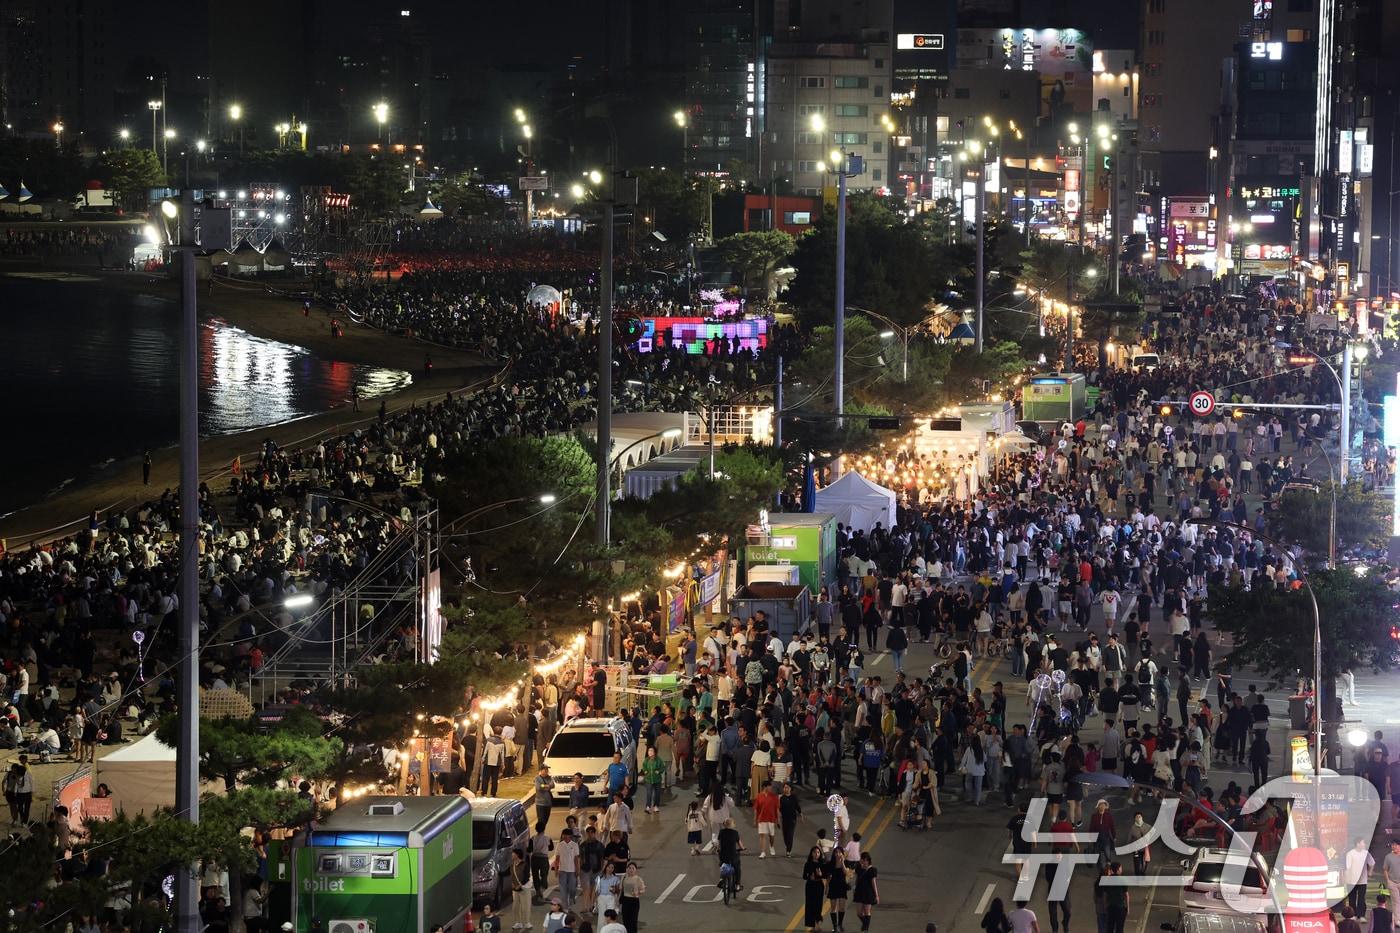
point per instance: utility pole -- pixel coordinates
(979, 209)
(840, 333)
(1113, 247)
(187, 757)
(1344, 442)
(605, 326)
(778, 407)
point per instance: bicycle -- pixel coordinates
(727, 885)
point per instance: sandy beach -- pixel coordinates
(252, 307)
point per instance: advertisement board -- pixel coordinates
(699, 335)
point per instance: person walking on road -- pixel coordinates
(815, 873)
(995, 919)
(519, 888)
(1116, 901)
(1390, 871)
(653, 775)
(146, 468)
(789, 812)
(1023, 919)
(716, 810)
(766, 807)
(541, 848)
(867, 890)
(633, 887)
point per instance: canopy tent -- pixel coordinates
(141, 776)
(857, 502)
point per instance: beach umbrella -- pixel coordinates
(24, 193)
(3, 193)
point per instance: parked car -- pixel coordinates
(1198, 922)
(587, 746)
(498, 826)
(1213, 870)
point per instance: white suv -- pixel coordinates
(587, 746)
(1213, 871)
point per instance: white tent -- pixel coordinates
(857, 502)
(141, 776)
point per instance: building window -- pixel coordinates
(850, 81)
(851, 110)
(797, 218)
(879, 91)
(1299, 6)
(962, 93)
(849, 139)
(809, 139)
(1154, 69)
(808, 165)
(807, 110)
(875, 174)
(879, 147)
(814, 81)
(1298, 35)
(879, 64)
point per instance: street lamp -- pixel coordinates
(381, 114)
(235, 113)
(154, 106)
(58, 133)
(681, 121)
(125, 136)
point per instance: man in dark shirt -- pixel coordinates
(728, 847)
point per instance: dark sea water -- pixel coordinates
(88, 376)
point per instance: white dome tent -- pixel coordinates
(857, 502)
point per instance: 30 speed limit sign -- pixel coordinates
(1202, 403)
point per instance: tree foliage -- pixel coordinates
(240, 752)
(1272, 630)
(891, 266)
(129, 174)
(756, 254)
(677, 204)
(1304, 518)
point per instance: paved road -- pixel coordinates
(949, 874)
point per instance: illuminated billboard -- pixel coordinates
(700, 335)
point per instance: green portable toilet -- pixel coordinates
(385, 865)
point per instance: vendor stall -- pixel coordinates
(858, 503)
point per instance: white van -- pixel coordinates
(586, 746)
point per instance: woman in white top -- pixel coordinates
(716, 809)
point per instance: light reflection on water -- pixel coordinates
(250, 381)
(90, 375)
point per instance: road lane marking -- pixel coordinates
(986, 898)
(796, 920)
(671, 887)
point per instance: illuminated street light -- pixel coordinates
(235, 112)
(200, 145)
(124, 135)
(529, 133)
(169, 133)
(679, 117)
(1073, 127)
(596, 177)
(818, 123)
(519, 115)
(576, 190)
(1102, 130)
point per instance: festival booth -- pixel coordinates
(141, 776)
(858, 503)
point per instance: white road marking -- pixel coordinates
(985, 899)
(671, 887)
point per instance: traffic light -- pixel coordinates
(881, 423)
(1108, 163)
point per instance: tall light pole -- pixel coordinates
(979, 208)
(165, 139)
(684, 123)
(58, 133)
(154, 106)
(381, 115)
(529, 133)
(235, 113)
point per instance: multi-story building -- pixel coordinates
(824, 97)
(56, 66)
(726, 63)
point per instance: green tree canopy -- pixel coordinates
(1272, 630)
(1304, 518)
(130, 173)
(756, 255)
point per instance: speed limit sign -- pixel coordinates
(1202, 403)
